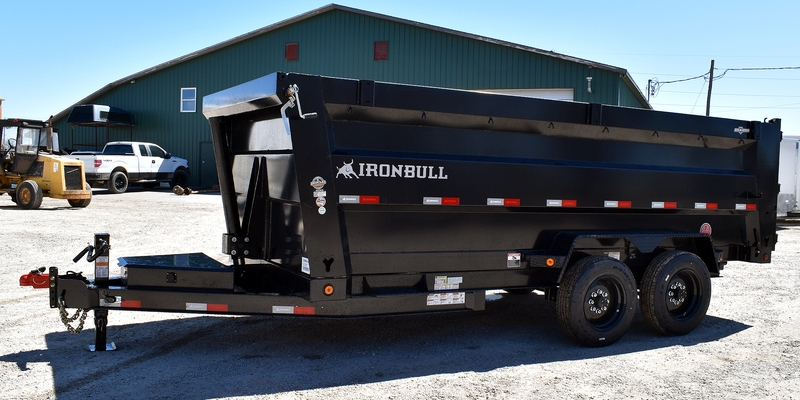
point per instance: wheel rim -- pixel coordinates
(24, 196)
(683, 294)
(118, 183)
(603, 302)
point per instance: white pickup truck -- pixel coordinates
(121, 163)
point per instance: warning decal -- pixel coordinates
(440, 299)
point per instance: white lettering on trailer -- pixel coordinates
(397, 171)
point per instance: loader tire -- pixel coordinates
(81, 203)
(675, 292)
(29, 195)
(118, 182)
(596, 301)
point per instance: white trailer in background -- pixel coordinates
(789, 191)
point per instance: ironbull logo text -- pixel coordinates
(392, 171)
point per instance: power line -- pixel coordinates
(654, 85)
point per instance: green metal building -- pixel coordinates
(165, 101)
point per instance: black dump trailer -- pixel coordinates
(353, 197)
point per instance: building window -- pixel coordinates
(382, 50)
(292, 51)
(188, 100)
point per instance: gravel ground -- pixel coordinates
(747, 347)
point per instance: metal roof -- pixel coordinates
(621, 71)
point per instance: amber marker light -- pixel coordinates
(550, 262)
(328, 290)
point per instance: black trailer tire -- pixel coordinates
(180, 178)
(675, 292)
(118, 182)
(81, 203)
(29, 195)
(596, 301)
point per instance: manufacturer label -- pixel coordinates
(447, 283)
(349, 170)
(514, 260)
(705, 229)
(318, 183)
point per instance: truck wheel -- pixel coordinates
(180, 178)
(29, 195)
(82, 202)
(596, 301)
(118, 182)
(675, 292)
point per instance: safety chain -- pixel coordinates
(66, 319)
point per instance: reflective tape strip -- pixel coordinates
(131, 304)
(664, 204)
(617, 204)
(497, 201)
(206, 307)
(441, 201)
(706, 206)
(356, 199)
(750, 206)
(562, 203)
(293, 310)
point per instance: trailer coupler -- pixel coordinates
(36, 278)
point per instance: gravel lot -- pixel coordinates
(747, 347)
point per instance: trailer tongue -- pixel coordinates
(353, 197)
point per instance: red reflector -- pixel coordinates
(670, 204)
(711, 206)
(217, 307)
(131, 304)
(511, 202)
(304, 310)
(569, 203)
(450, 201)
(369, 199)
(624, 204)
(750, 207)
(97, 162)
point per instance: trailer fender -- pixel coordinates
(567, 243)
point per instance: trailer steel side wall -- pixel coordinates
(423, 180)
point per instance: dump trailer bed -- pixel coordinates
(352, 197)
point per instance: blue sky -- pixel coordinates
(58, 52)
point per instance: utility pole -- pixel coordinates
(710, 82)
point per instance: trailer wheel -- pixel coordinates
(675, 292)
(596, 301)
(118, 182)
(81, 203)
(29, 195)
